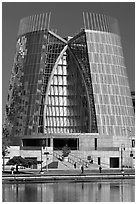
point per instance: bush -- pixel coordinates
(65, 151)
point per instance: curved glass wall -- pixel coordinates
(78, 47)
(67, 109)
(89, 91)
(36, 53)
(114, 109)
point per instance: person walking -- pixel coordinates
(12, 170)
(82, 169)
(100, 169)
(75, 165)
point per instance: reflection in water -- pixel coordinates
(110, 191)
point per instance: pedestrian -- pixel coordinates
(75, 165)
(100, 169)
(12, 170)
(82, 169)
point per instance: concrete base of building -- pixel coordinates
(91, 159)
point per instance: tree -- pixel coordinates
(5, 143)
(20, 161)
(32, 161)
(65, 151)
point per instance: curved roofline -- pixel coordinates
(100, 22)
(91, 21)
(34, 23)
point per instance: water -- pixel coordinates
(105, 191)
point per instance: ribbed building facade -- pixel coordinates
(69, 86)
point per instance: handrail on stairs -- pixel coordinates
(72, 161)
(58, 156)
(86, 162)
(78, 160)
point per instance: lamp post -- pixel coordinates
(42, 147)
(41, 159)
(3, 156)
(46, 153)
(122, 148)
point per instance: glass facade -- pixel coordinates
(67, 108)
(35, 56)
(78, 47)
(74, 86)
(114, 109)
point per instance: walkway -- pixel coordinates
(70, 175)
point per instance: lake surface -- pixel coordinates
(105, 191)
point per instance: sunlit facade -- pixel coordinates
(67, 87)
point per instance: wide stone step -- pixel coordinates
(52, 165)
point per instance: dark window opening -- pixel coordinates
(114, 162)
(36, 142)
(98, 160)
(95, 143)
(72, 143)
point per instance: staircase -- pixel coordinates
(62, 164)
(73, 159)
(82, 161)
(52, 165)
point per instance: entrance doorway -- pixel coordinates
(59, 143)
(114, 162)
(98, 160)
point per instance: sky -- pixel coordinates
(66, 17)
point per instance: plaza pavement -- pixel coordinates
(30, 175)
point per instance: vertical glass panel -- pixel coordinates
(60, 80)
(64, 70)
(68, 103)
(65, 91)
(60, 101)
(59, 70)
(52, 90)
(55, 81)
(53, 111)
(60, 90)
(64, 80)
(61, 111)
